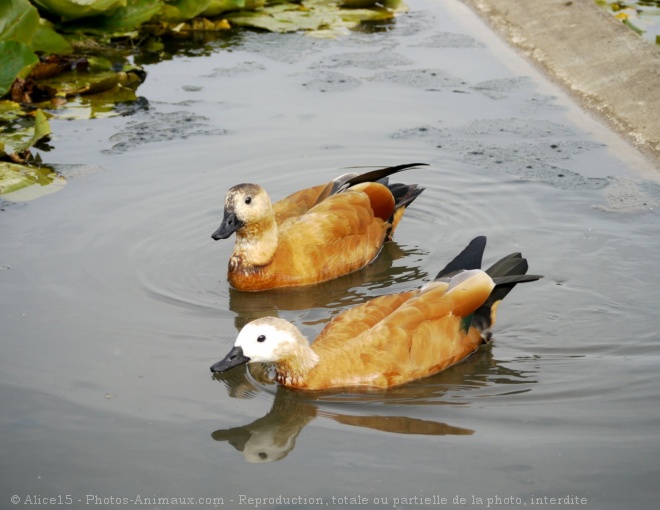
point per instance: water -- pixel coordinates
(114, 301)
(640, 15)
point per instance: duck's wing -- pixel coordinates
(469, 258)
(297, 203)
(432, 330)
(425, 334)
(355, 321)
(347, 181)
(336, 237)
(302, 201)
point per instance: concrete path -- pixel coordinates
(607, 67)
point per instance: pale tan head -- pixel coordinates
(245, 205)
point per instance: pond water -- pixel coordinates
(641, 15)
(114, 300)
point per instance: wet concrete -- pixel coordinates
(608, 68)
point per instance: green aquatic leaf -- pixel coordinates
(76, 9)
(632, 26)
(94, 93)
(9, 111)
(19, 21)
(314, 16)
(183, 10)
(40, 130)
(21, 131)
(72, 83)
(16, 60)
(47, 40)
(19, 183)
(124, 19)
(384, 10)
(217, 7)
(281, 20)
(359, 4)
(96, 106)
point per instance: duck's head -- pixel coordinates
(245, 204)
(268, 340)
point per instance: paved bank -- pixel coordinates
(610, 70)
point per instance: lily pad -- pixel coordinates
(314, 16)
(57, 84)
(16, 60)
(76, 9)
(101, 105)
(19, 21)
(283, 18)
(218, 7)
(123, 20)
(47, 40)
(22, 131)
(22, 33)
(19, 183)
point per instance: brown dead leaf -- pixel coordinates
(28, 91)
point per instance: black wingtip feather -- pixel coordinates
(469, 258)
(376, 175)
(404, 194)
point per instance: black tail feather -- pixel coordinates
(469, 258)
(381, 175)
(404, 194)
(511, 264)
(506, 273)
(377, 175)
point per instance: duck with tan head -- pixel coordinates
(314, 235)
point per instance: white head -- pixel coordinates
(268, 340)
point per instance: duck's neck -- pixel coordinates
(256, 243)
(294, 368)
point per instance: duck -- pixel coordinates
(313, 235)
(392, 339)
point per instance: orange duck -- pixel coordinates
(391, 339)
(314, 235)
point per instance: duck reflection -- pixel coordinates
(273, 436)
(334, 295)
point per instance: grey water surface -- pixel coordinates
(114, 302)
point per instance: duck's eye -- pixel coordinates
(248, 200)
(261, 338)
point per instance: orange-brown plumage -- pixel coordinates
(391, 339)
(313, 235)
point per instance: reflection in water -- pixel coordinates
(334, 295)
(273, 436)
(158, 48)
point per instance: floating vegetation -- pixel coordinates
(74, 59)
(642, 16)
(20, 183)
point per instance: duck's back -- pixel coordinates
(297, 204)
(424, 334)
(336, 237)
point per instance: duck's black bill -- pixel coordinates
(233, 359)
(230, 224)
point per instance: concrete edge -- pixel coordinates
(608, 68)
